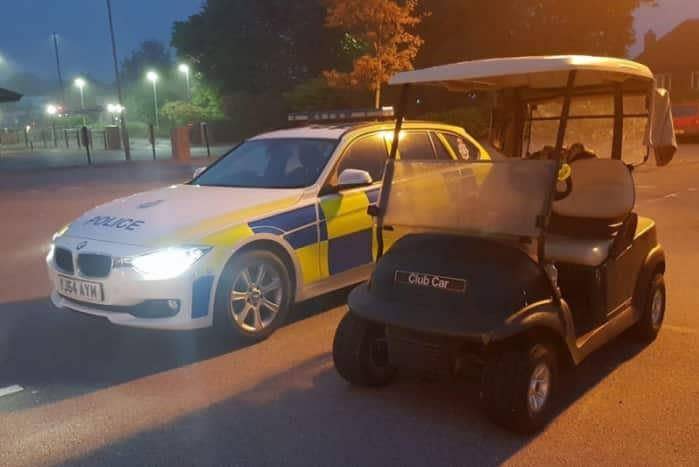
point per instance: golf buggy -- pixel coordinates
(529, 262)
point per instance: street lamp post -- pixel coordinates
(184, 69)
(124, 129)
(80, 84)
(52, 111)
(152, 76)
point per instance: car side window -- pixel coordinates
(369, 153)
(462, 147)
(440, 151)
(415, 145)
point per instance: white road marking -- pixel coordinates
(691, 189)
(9, 390)
(671, 195)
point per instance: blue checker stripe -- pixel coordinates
(201, 291)
(349, 251)
(287, 221)
(303, 237)
(373, 195)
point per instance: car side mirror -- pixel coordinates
(198, 171)
(353, 178)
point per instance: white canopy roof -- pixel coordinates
(532, 72)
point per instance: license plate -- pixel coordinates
(84, 291)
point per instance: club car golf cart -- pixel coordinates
(525, 263)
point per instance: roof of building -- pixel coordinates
(532, 72)
(674, 50)
(9, 96)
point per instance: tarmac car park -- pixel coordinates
(521, 265)
(280, 219)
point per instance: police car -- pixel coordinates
(279, 219)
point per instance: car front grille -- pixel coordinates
(64, 260)
(94, 265)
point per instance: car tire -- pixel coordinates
(653, 310)
(249, 304)
(360, 352)
(518, 386)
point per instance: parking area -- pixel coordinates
(95, 394)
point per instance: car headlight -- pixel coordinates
(49, 255)
(166, 263)
(60, 232)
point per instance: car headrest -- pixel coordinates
(602, 189)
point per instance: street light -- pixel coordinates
(115, 110)
(80, 84)
(184, 68)
(152, 76)
(52, 111)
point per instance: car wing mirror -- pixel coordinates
(198, 171)
(354, 177)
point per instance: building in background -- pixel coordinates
(674, 60)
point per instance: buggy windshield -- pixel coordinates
(485, 198)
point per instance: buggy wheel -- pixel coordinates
(653, 313)
(360, 352)
(518, 387)
(253, 297)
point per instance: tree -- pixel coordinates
(204, 106)
(383, 26)
(471, 29)
(257, 47)
(150, 55)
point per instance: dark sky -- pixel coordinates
(82, 28)
(26, 27)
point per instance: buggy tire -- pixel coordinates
(360, 353)
(510, 381)
(653, 309)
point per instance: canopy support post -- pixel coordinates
(618, 136)
(565, 113)
(388, 171)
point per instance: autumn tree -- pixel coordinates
(471, 29)
(384, 28)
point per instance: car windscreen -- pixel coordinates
(270, 163)
(498, 198)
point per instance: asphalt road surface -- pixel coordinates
(93, 394)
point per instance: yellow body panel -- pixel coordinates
(345, 213)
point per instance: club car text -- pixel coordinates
(422, 279)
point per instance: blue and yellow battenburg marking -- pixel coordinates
(329, 236)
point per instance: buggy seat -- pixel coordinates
(596, 217)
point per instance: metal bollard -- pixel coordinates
(205, 134)
(151, 138)
(86, 142)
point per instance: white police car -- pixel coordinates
(279, 219)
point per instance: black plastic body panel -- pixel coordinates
(499, 281)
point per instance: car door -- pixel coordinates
(346, 228)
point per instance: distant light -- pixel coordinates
(184, 68)
(152, 76)
(28, 127)
(115, 108)
(51, 110)
(79, 83)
